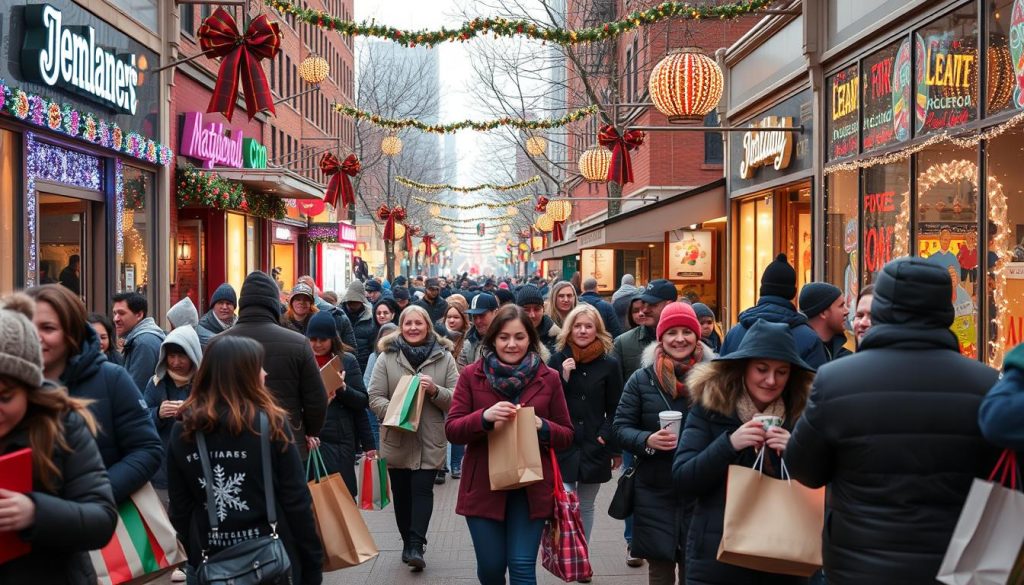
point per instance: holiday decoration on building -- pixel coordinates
(195, 187)
(594, 164)
(391, 146)
(542, 204)
(438, 187)
(544, 223)
(489, 205)
(322, 233)
(314, 69)
(339, 188)
(391, 215)
(686, 85)
(402, 123)
(620, 167)
(240, 61)
(536, 145)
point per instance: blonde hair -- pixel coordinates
(409, 310)
(584, 309)
(553, 301)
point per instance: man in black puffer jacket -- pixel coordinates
(292, 375)
(894, 430)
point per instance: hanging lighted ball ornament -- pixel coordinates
(544, 223)
(435, 210)
(686, 85)
(399, 231)
(505, 229)
(512, 210)
(594, 163)
(559, 210)
(391, 146)
(536, 145)
(447, 229)
(314, 69)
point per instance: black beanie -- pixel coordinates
(259, 290)
(779, 279)
(815, 297)
(529, 295)
(913, 292)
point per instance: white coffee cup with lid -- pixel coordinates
(671, 420)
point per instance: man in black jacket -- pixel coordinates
(825, 308)
(894, 430)
(432, 302)
(292, 375)
(604, 308)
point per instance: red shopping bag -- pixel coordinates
(563, 546)
(375, 488)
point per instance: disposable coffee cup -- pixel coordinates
(672, 420)
(768, 421)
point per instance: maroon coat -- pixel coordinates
(465, 425)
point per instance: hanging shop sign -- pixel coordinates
(845, 112)
(886, 81)
(757, 157)
(254, 154)
(57, 55)
(209, 144)
(774, 149)
(946, 61)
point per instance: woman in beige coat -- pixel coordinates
(413, 459)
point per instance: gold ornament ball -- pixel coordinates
(594, 164)
(447, 229)
(399, 231)
(559, 210)
(544, 223)
(505, 229)
(314, 69)
(686, 85)
(536, 145)
(435, 210)
(512, 210)
(391, 146)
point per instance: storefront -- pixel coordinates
(78, 158)
(560, 260)
(333, 245)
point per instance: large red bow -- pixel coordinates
(389, 217)
(621, 168)
(557, 232)
(542, 204)
(428, 242)
(410, 231)
(240, 61)
(340, 187)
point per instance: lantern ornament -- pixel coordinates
(594, 164)
(559, 210)
(505, 229)
(314, 69)
(536, 145)
(435, 210)
(686, 85)
(391, 146)
(512, 210)
(544, 223)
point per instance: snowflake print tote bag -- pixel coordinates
(143, 544)
(563, 546)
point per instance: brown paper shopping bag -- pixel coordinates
(405, 406)
(986, 542)
(345, 538)
(771, 525)
(330, 374)
(513, 452)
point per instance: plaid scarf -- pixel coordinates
(672, 374)
(507, 380)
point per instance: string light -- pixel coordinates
(686, 85)
(438, 187)
(594, 164)
(468, 206)
(400, 124)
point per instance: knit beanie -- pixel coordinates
(529, 295)
(400, 293)
(913, 292)
(815, 297)
(303, 290)
(371, 286)
(779, 279)
(183, 313)
(457, 300)
(321, 326)
(224, 292)
(260, 290)
(702, 311)
(678, 315)
(356, 293)
(21, 356)
(504, 296)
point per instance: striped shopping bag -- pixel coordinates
(374, 489)
(143, 543)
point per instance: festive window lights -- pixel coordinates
(10, 189)
(1004, 236)
(841, 236)
(135, 192)
(1002, 51)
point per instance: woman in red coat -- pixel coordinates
(506, 525)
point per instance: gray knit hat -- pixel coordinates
(21, 356)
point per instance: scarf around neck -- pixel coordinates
(585, 355)
(416, 354)
(509, 381)
(180, 380)
(746, 410)
(672, 373)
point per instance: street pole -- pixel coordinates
(389, 245)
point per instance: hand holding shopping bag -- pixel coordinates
(374, 487)
(343, 533)
(405, 406)
(563, 546)
(513, 452)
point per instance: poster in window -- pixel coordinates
(845, 111)
(599, 264)
(886, 83)
(691, 255)
(945, 64)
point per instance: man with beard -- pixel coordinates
(435, 306)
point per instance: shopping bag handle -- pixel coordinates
(319, 467)
(1007, 463)
(759, 465)
(556, 472)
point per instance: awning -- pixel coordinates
(558, 250)
(650, 222)
(275, 181)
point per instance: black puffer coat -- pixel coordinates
(347, 428)
(592, 395)
(77, 516)
(364, 329)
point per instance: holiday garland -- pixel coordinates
(497, 205)
(458, 220)
(503, 27)
(436, 188)
(322, 233)
(397, 124)
(196, 187)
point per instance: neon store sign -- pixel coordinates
(68, 56)
(209, 143)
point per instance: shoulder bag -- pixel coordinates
(260, 561)
(621, 506)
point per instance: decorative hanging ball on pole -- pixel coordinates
(594, 164)
(686, 85)
(536, 145)
(512, 210)
(559, 210)
(435, 210)
(505, 229)
(399, 231)
(314, 69)
(391, 146)
(544, 223)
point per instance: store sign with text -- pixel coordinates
(757, 156)
(880, 212)
(844, 113)
(887, 79)
(760, 149)
(214, 146)
(945, 65)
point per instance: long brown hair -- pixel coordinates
(227, 388)
(718, 385)
(70, 312)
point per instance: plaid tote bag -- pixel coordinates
(563, 545)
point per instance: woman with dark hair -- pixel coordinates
(385, 311)
(69, 510)
(107, 336)
(346, 429)
(730, 396)
(506, 525)
(128, 439)
(636, 307)
(226, 404)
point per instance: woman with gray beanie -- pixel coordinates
(68, 509)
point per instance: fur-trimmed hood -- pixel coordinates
(647, 358)
(708, 386)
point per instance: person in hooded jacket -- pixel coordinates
(364, 327)
(107, 337)
(341, 322)
(292, 375)
(530, 299)
(893, 430)
(709, 333)
(70, 509)
(184, 314)
(142, 337)
(660, 515)
(775, 305)
(623, 297)
(127, 440)
(221, 315)
(180, 356)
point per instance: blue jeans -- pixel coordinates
(511, 545)
(455, 457)
(374, 428)
(627, 460)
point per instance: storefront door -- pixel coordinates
(64, 236)
(283, 261)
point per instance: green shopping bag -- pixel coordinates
(374, 489)
(406, 405)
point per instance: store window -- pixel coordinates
(886, 80)
(1005, 233)
(144, 11)
(10, 169)
(1002, 86)
(945, 72)
(243, 251)
(844, 113)
(756, 246)
(886, 226)
(947, 230)
(841, 234)
(134, 239)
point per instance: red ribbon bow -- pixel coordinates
(428, 242)
(557, 232)
(340, 187)
(621, 168)
(542, 204)
(240, 61)
(410, 231)
(389, 217)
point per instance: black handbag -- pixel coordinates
(260, 561)
(621, 506)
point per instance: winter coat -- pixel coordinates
(211, 323)
(835, 348)
(629, 349)
(465, 426)
(345, 331)
(427, 447)
(778, 310)
(292, 375)
(364, 331)
(127, 438)
(346, 428)
(77, 516)
(1000, 412)
(472, 348)
(548, 333)
(699, 471)
(237, 469)
(621, 305)
(607, 311)
(141, 349)
(592, 395)
(436, 310)
(893, 429)
(660, 514)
